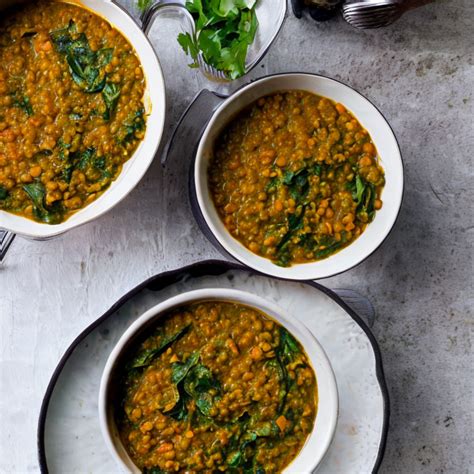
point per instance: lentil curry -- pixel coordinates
(71, 108)
(295, 177)
(218, 387)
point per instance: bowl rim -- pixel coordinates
(140, 160)
(200, 195)
(315, 353)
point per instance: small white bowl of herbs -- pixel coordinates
(227, 38)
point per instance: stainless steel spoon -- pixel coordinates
(366, 14)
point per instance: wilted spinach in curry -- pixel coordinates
(295, 177)
(71, 108)
(217, 387)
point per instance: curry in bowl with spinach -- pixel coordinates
(295, 177)
(71, 108)
(216, 387)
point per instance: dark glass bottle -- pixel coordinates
(319, 10)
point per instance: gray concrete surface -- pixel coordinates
(420, 73)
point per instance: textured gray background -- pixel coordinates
(420, 73)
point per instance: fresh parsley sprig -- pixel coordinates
(225, 29)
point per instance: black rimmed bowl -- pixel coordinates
(369, 117)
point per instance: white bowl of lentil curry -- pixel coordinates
(298, 176)
(221, 380)
(79, 121)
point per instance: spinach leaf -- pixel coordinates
(180, 410)
(288, 177)
(181, 369)
(23, 102)
(288, 348)
(200, 384)
(277, 365)
(295, 223)
(366, 208)
(66, 173)
(41, 153)
(329, 250)
(364, 195)
(135, 124)
(358, 188)
(84, 73)
(62, 38)
(104, 56)
(86, 66)
(36, 192)
(272, 185)
(317, 170)
(3, 192)
(110, 94)
(243, 458)
(146, 357)
(153, 470)
(298, 183)
(84, 158)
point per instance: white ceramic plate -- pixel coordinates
(69, 435)
(322, 434)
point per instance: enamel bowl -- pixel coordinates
(369, 117)
(320, 438)
(134, 169)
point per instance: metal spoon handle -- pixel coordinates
(6, 239)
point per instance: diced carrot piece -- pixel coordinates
(281, 422)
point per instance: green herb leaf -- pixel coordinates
(86, 66)
(104, 56)
(146, 357)
(283, 378)
(181, 369)
(23, 102)
(298, 183)
(135, 123)
(359, 191)
(143, 5)
(295, 223)
(36, 192)
(180, 410)
(224, 31)
(364, 195)
(110, 94)
(3, 192)
(272, 185)
(62, 38)
(317, 170)
(289, 348)
(190, 47)
(200, 384)
(153, 470)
